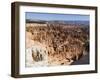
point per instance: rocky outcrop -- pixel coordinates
(56, 44)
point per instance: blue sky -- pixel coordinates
(49, 16)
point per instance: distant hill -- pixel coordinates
(86, 23)
(35, 21)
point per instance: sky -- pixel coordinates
(53, 16)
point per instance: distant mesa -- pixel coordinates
(85, 23)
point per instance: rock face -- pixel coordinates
(55, 44)
(36, 55)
